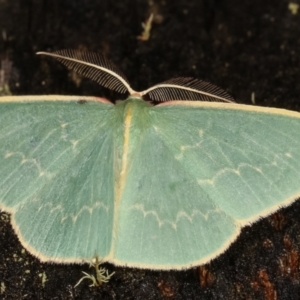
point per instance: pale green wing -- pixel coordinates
(199, 172)
(56, 174)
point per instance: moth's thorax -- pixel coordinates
(132, 119)
(133, 112)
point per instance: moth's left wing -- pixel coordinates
(199, 173)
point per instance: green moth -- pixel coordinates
(165, 186)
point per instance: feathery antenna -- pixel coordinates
(93, 66)
(107, 74)
(186, 88)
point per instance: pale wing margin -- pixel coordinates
(56, 175)
(42, 98)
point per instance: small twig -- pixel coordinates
(102, 275)
(147, 28)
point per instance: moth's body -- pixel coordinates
(162, 187)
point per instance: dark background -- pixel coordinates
(245, 47)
